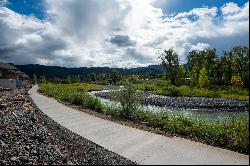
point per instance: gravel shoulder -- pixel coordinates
(28, 136)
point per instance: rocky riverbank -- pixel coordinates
(27, 136)
(188, 102)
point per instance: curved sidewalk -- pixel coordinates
(137, 145)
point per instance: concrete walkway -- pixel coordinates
(136, 145)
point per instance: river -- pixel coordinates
(206, 114)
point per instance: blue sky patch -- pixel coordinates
(36, 7)
(27, 7)
(179, 6)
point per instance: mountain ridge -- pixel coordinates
(62, 72)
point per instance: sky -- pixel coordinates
(117, 33)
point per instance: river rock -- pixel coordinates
(27, 136)
(150, 98)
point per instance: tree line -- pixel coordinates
(102, 78)
(206, 68)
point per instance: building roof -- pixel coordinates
(19, 72)
(25, 76)
(13, 69)
(7, 66)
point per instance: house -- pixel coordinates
(22, 78)
(11, 77)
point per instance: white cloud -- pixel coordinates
(232, 12)
(116, 33)
(230, 9)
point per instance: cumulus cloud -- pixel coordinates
(230, 9)
(116, 33)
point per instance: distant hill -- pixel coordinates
(62, 72)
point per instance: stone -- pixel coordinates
(13, 158)
(19, 98)
(3, 106)
(24, 159)
(7, 89)
(2, 143)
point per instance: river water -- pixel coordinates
(205, 114)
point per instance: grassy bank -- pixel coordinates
(73, 93)
(165, 88)
(231, 133)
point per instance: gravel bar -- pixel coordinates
(28, 136)
(188, 102)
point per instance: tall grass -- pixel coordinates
(73, 93)
(231, 133)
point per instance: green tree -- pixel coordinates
(75, 79)
(194, 76)
(170, 62)
(241, 63)
(115, 77)
(68, 79)
(198, 59)
(56, 79)
(181, 74)
(78, 79)
(43, 79)
(203, 78)
(34, 80)
(236, 81)
(133, 78)
(218, 74)
(92, 77)
(102, 78)
(151, 75)
(227, 65)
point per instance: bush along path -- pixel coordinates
(137, 145)
(27, 136)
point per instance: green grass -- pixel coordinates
(231, 133)
(73, 93)
(165, 88)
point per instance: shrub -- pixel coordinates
(113, 111)
(149, 87)
(172, 91)
(236, 81)
(185, 90)
(133, 78)
(129, 99)
(94, 103)
(77, 99)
